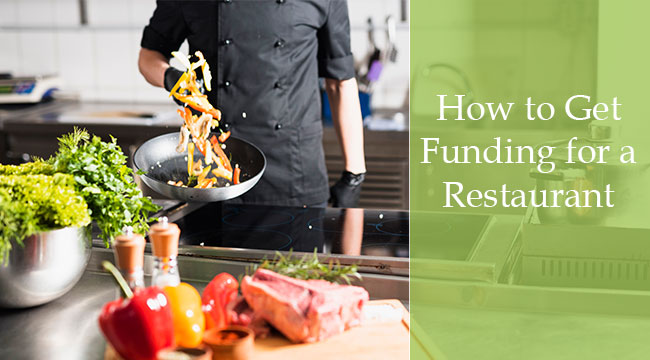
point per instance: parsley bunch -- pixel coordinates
(105, 182)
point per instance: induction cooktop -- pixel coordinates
(326, 230)
(354, 232)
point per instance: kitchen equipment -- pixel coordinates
(119, 117)
(391, 35)
(383, 334)
(444, 79)
(46, 267)
(374, 64)
(158, 158)
(630, 182)
(571, 256)
(28, 89)
(271, 228)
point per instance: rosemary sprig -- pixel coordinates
(308, 268)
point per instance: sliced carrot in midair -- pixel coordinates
(224, 136)
(219, 151)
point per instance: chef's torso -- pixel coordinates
(266, 57)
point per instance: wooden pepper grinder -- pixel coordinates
(164, 242)
(129, 257)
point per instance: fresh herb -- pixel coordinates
(35, 203)
(308, 268)
(105, 182)
(192, 180)
(31, 168)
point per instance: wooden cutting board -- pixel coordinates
(383, 335)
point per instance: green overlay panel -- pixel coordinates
(530, 179)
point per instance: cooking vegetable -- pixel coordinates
(206, 183)
(222, 173)
(190, 158)
(105, 182)
(308, 268)
(224, 136)
(186, 89)
(138, 325)
(219, 151)
(205, 69)
(235, 175)
(196, 129)
(204, 173)
(216, 296)
(187, 315)
(35, 203)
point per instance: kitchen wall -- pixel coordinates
(99, 60)
(508, 50)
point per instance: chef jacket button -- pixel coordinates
(278, 85)
(227, 42)
(280, 1)
(280, 43)
(278, 126)
(227, 1)
(227, 83)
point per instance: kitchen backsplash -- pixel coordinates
(99, 61)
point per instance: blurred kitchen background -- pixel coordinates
(92, 46)
(505, 51)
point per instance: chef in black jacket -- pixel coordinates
(266, 57)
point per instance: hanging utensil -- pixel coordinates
(391, 37)
(375, 65)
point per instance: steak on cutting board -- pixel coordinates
(304, 310)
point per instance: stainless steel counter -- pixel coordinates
(67, 327)
(63, 329)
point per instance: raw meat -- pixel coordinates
(304, 310)
(239, 313)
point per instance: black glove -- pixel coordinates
(172, 75)
(346, 192)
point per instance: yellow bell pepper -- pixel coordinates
(221, 172)
(190, 157)
(187, 314)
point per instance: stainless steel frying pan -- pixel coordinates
(159, 160)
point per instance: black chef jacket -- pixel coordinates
(266, 57)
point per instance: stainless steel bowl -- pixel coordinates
(46, 267)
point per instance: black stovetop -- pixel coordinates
(354, 232)
(328, 230)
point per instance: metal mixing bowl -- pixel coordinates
(46, 267)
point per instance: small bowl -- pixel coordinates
(202, 352)
(47, 266)
(224, 348)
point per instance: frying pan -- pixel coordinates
(158, 158)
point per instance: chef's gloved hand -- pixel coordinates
(172, 75)
(346, 192)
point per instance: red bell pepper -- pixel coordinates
(235, 175)
(139, 325)
(224, 136)
(219, 292)
(219, 151)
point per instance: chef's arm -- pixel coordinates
(346, 113)
(153, 65)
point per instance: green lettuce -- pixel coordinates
(33, 203)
